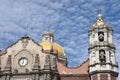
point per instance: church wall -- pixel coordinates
(74, 77)
(16, 51)
(37, 62)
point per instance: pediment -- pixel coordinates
(24, 43)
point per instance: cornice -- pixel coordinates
(105, 71)
(97, 45)
(115, 65)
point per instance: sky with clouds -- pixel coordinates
(70, 21)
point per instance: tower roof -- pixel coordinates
(99, 22)
(100, 19)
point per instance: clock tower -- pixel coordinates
(102, 65)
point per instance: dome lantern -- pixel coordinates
(48, 36)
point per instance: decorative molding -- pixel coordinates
(36, 66)
(25, 41)
(112, 73)
(114, 65)
(8, 65)
(54, 63)
(47, 65)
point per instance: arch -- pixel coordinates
(102, 56)
(101, 36)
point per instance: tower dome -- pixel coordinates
(56, 48)
(99, 22)
(100, 19)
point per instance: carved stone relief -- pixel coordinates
(25, 42)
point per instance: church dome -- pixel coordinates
(55, 47)
(100, 23)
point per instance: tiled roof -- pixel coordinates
(83, 69)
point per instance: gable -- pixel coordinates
(23, 48)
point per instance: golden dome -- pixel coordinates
(56, 47)
(100, 23)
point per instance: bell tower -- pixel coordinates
(101, 49)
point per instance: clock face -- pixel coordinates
(23, 62)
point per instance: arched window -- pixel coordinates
(101, 36)
(102, 56)
(46, 38)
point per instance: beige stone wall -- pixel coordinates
(24, 49)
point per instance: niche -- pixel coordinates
(102, 56)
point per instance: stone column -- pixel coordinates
(36, 68)
(7, 70)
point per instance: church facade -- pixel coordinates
(28, 60)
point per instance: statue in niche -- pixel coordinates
(37, 62)
(102, 56)
(8, 63)
(47, 62)
(9, 60)
(54, 63)
(101, 36)
(37, 58)
(47, 59)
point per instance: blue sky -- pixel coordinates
(69, 21)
